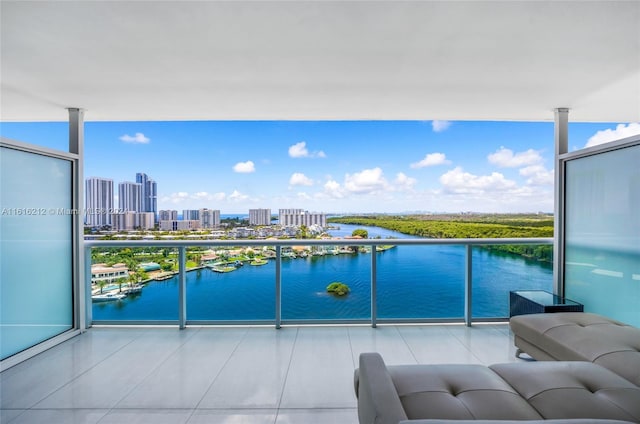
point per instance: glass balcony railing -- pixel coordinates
(286, 281)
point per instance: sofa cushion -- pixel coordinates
(583, 337)
(457, 392)
(560, 390)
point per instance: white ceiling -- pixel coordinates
(320, 60)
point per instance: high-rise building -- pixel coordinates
(145, 220)
(259, 216)
(209, 218)
(128, 221)
(98, 201)
(153, 197)
(149, 193)
(130, 197)
(123, 221)
(173, 225)
(298, 217)
(168, 215)
(190, 215)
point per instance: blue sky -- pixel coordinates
(332, 167)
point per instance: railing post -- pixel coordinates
(278, 286)
(374, 306)
(468, 285)
(86, 304)
(182, 287)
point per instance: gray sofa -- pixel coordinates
(574, 336)
(507, 392)
(589, 370)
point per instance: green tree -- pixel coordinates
(133, 278)
(102, 284)
(303, 232)
(120, 282)
(338, 288)
(142, 276)
(361, 232)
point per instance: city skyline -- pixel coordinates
(331, 166)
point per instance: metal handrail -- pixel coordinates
(316, 242)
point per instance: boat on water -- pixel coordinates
(107, 297)
(223, 268)
(133, 289)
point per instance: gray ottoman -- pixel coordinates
(575, 336)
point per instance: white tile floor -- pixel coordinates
(225, 375)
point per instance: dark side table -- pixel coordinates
(522, 302)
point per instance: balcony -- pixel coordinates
(253, 373)
(248, 374)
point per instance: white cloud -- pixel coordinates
(299, 178)
(404, 182)
(366, 181)
(236, 196)
(458, 181)
(621, 131)
(139, 138)
(183, 196)
(439, 126)
(299, 150)
(333, 189)
(175, 198)
(505, 158)
(537, 175)
(244, 167)
(431, 159)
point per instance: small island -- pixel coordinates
(337, 288)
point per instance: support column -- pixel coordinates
(76, 146)
(561, 141)
(278, 283)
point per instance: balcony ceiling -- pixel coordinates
(320, 60)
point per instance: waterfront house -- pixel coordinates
(108, 274)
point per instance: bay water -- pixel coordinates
(413, 282)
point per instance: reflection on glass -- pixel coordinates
(36, 249)
(602, 252)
